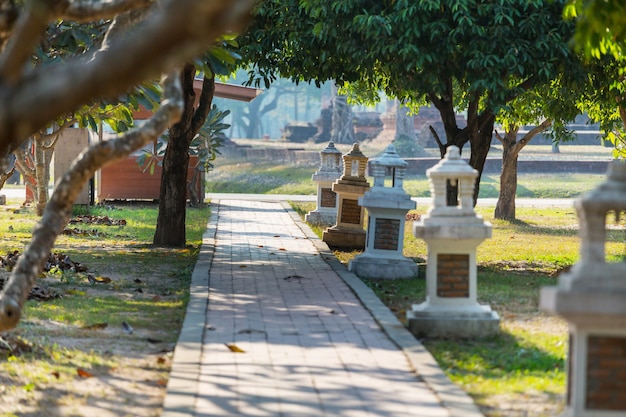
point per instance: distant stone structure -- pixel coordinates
(452, 233)
(387, 204)
(299, 132)
(592, 298)
(329, 171)
(348, 232)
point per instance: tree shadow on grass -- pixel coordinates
(498, 358)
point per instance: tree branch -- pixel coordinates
(204, 103)
(171, 34)
(498, 136)
(535, 131)
(54, 136)
(59, 208)
(436, 136)
(30, 25)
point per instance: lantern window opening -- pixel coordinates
(354, 172)
(390, 176)
(452, 201)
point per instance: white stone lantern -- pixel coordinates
(387, 204)
(592, 298)
(329, 171)
(348, 230)
(452, 233)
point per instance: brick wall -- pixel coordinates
(350, 211)
(606, 373)
(328, 198)
(386, 234)
(452, 275)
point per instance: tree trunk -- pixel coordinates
(170, 229)
(40, 174)
(511, 147)
(505, 207)
(480, 141)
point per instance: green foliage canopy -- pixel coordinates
(600, 26)
(411, 49)
(471, 55)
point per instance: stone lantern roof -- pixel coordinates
(330, 164)
(389, 164)
(330, 159)
(354, 165)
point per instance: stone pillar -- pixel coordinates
(592, 298)
(329, 171)
(70, 144)
(387, 204)
(452, 234)
(348, 231)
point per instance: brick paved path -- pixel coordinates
(309, 347)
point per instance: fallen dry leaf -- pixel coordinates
(84, 374)
(234, 348)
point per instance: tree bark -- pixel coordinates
(480, 140)
(59, 208)
(505, 207)
(170, 229)
(511, 147)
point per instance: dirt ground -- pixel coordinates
(51, 368)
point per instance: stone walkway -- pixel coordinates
(287, 331)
